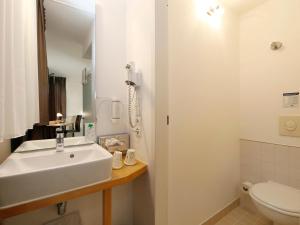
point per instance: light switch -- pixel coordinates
(289, 126)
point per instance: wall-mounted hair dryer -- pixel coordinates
(133, 82)
(134, 78)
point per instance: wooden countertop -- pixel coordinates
(119, 177)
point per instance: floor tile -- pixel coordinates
(240, 216)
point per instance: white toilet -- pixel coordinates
(279, 203)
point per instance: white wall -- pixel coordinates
(140, 30)
(204, 113)
(88, 42)
(110, 63)
(4, 150)
(161, 112)
(266, 74)
(110, 79)
(261, 162)
(125, 32)
(65, 59)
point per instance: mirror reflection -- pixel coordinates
(65, 61)
(69, 56)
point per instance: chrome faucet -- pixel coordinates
(59, 139)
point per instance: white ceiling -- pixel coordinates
(242, 6)
(73, 18)
(70, 20)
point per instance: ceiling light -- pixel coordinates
(213, 10)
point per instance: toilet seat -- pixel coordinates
(281, 198)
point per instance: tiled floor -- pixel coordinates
(240, 216)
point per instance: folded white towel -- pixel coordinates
(69, 219)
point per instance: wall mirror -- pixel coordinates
(66, 76)
(69, 44)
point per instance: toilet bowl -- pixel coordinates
(279, 203)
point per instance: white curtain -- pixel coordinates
(19, 104)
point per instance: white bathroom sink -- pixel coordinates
(51, 143)
(32, 175)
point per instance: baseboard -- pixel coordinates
(219, 215)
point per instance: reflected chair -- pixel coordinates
(76, 129)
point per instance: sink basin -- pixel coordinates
(51, 143)
(31, 175)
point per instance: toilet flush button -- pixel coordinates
(291, 125)
(288, 126)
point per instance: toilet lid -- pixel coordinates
(279, 196)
